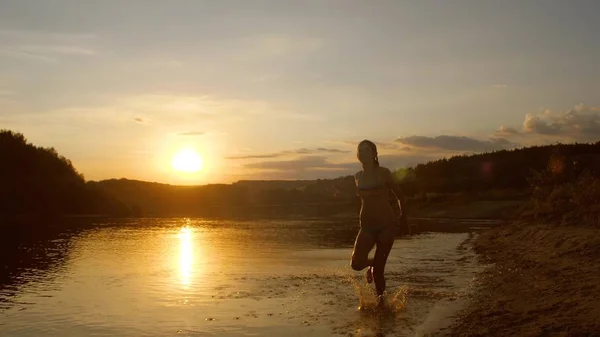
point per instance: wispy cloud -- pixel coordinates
(318, 150)
(57, 49)
(30, 34)
(191, 133)
(176, 114)
(256, 156)
(207, 107)
(381, 144)
(44, 46)
(387, 145)
(16, 53)
(302, 151)
(303, 163)
(456, 143)
(320, 166)
(165, 109)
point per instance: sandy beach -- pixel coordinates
(540, 280)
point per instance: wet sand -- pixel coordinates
(539, 281)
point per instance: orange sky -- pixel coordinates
(286, 90)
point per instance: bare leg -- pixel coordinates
(362, 247)
(385, 241)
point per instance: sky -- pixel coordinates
(287, 89)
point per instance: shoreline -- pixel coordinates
(539, 280)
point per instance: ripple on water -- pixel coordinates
(225, 281)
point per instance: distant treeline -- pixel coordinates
(39, 180)
(244, 198)
(481, 173)
(506, 169)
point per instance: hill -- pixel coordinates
(506, 169)
(502, 176)
(38, 181)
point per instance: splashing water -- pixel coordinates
(375, 317)
(199, 282)
(368, 300)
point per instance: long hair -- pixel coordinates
(373, 148)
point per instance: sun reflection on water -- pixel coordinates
(186, 256)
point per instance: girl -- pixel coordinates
(378, 220)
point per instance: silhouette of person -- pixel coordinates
(378, 220)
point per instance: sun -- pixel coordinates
(187, 160)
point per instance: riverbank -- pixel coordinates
(541, 280)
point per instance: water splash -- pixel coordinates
(395, 301)
(374, 318)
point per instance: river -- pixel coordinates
(194, 277)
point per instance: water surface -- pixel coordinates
(190, 277)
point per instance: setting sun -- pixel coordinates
(187, 160)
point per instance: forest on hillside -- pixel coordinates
(36, 180)
(506, 173)
(505, 169)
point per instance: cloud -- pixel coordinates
(44, 46)
(318, 150)
(536, 124)
(580, 123)
(12, 52)
(25, 34)
(499, 86)
(56, 49)
(164, 113)
(312, 167)
(172, 105)
(180, 107)
(505, 131)
(387, 145)
(256, 156)
(456, 143)
(164, 109)
(380, 144)
(303, 163)
(302, 151)
(191, 133)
